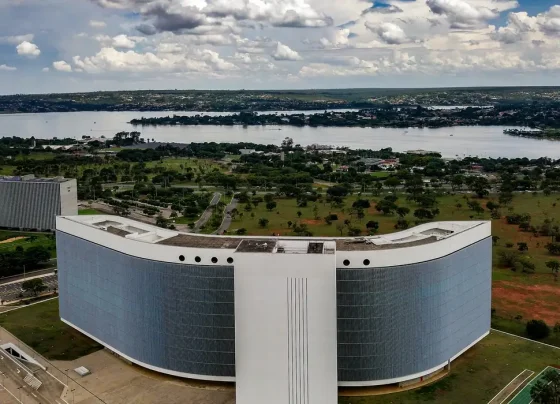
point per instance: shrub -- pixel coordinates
(537, 329)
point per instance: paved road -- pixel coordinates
(11, 291)
(208, 212)
(227, 217)
(10, 279)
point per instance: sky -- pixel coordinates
(90, 45)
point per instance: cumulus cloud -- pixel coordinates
(97, 24)
(122, 41)
(16, 39)
(119, 41)
(178, 15)
(62, 66)
(28, 49)
(284, 52)
(113, 60)
(460, 13)
(522, 27)
(7, 68)
(338, 39)
(388, 32)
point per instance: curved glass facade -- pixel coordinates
(392, 321)
(171, 316)
(401, 320)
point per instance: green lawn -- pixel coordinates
(476, 376)
(30, 240)
(89, 212)
(39, 326)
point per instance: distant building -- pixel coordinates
(388, 164)
(421, 152)
(246, 152)
(33, 203)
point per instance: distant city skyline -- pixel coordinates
(89, 45)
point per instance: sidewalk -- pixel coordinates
(64, 377)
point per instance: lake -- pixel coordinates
(482, 141)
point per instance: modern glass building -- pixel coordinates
(33, 203)
(293, 316)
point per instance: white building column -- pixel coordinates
(285, 322)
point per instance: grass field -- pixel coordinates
(476, 376)
(514, 294)
(39, 326)
(26, 240)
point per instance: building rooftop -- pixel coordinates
(31, 178)
(426, 233)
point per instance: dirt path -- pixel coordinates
(11, 240)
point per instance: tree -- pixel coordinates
(457, 182)
(402, 211)
(242, 231)
(361, 204)
(495, 240)
(392, 182)
(385, 206)
(269, 197)
(263, 222)
(505, 198)
(270, 206)
(553, 248)
(402, 224)
(522, 247)
(121, 211)
(340, 228)
(537, 329)
(354, 231)
(480, 186)
(35, 286)
(372, 225)
(507, 258)
(554, 266)
(547, 390)
(299, 213)
(524, 265)
(490, 205)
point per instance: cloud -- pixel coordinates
(16, 39)
(389, 33)
(387, 9)
(177, 15)
(113, 60)
(338, 39)
(6, 68)
(45, 69)
(119, 41)
(283, 52)
(460, 13)
(122, 41)
(549, 22)
(97, 24)
(62, 66)
(28, 49)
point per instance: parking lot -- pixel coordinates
(10, 291)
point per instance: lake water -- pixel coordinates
(482, 141)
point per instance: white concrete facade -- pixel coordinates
(285, 328)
